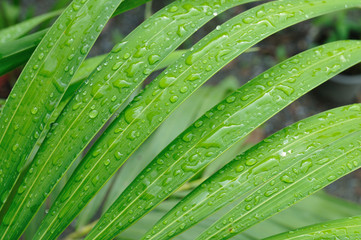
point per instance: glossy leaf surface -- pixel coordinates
(162, 97)
(16, 31)
(306, 157)
(30, 105)
(347, 228)
(228, 123)
(101, 95)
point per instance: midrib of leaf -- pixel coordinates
(129, 204)
(275, 150)
(352, 136)
(218, 9)
(19, 207)
(124, 6)
(22, 28)
(77, 14)
(211, 133)
(24, 94)
(322, 230)
(153, 99)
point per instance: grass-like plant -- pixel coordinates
(60, 102)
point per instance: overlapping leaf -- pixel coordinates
(139, 113)
(311, 210)
(278, 173)
(30, 105)
(228, 123)
(25, 47)
(16, 31)
(114, 80)
(230, 184)
(14, 54)
(347, 228)
(171, 88)
(149, 110)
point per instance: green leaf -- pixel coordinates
(228, 123)
(128, 5)
(205, 98)
(347, 228)
(227, 185)
(40, 88)
(130, 62)
(222, 45)
(305, 158)
(15, 53)
(161, 97)
(28, 44)
(18, 30)
(90, 64)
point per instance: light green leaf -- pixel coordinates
(229, 122)
(128, 5)
(20, 54)
(162, 96)
(205, 98)
(18, 30)
(130, 62)
(15, 53)
(31, 104)
(201, 202)
(300, 160)
(347, 228)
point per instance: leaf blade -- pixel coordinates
(229, 122)
(16, 31)
(313, 168)
(197, 56)
(123, 70)
(53, 63)
(18, 52)
(346, 228)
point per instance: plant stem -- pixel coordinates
(148, 10)
(82, 232)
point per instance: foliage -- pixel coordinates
(61, 101)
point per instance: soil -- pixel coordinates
(275, 48)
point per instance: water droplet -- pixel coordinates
(34, 110)
(153, 59)
(93, 114)
(286, 179)
(173, 99)
(166, 81)
(15, 147)
(188, 137)
(173, 9)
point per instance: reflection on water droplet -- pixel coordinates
(93, 114)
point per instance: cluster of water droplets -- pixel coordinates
(136, 71)
(307, 160)
(48, 75)
(192, 74)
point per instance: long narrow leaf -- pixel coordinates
(15, 53)
(170, 89)
(23, 54)
(347, 228)
(16, 31)
(228, 123)
(40, 88)
(288, 173)
(102, 94)
(201, 203)
(128, 5)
